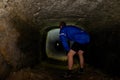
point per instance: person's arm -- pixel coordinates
(64, 41)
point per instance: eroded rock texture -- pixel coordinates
(22, 20)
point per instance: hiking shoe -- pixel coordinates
(80, 71)
(68, 74)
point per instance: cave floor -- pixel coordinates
(43, 72)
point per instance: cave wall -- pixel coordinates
(22, 22)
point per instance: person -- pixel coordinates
(80, 39)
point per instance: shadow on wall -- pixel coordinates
(28, 42)
(104, 49)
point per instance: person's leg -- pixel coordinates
(70, 55)
(81, 58)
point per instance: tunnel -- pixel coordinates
(29, 38)
(54, 48)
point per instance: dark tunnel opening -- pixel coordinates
(26, 28)
(52, 48)
(53, 52)
(103, 51)
(44, 45)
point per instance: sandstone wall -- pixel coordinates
(22, 20)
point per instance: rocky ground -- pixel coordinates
(54, 72)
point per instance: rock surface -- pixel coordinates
(52, 73)
(21, 19)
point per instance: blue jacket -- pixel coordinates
(74, 34)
